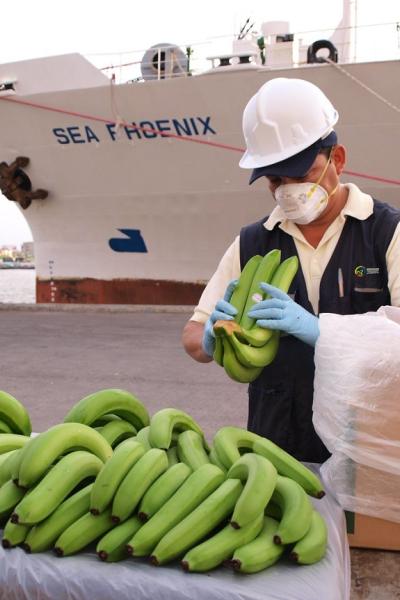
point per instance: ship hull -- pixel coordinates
(133, 216)
(117, 291)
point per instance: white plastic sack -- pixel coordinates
(357, 409)
(84, 577)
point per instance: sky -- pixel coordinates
(104, 31)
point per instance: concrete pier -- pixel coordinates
(53, 355)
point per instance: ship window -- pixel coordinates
(162, 61)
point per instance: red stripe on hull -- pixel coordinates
(117, 291)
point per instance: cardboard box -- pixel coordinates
(376, 489)
(369, 532)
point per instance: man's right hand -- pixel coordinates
(223, 311)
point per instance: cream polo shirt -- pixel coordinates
(313, 260)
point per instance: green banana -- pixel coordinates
(117, 431)
(225, 333)
(241, 291)
(55, 486)
(142, 436)
(162, 489)
(112, 546)
(265, 270)
(255, 336)
(119, 402)
(259, 477)
(296, 510)
(104, 419)
(219, 332)
(214, 459)
(282, 279)
(200, 522)
(4, 428)
(234, 369)
(218, 355)
(229, 440)
(285, 273)
(191, 450)
(251, 356)
(10, 495)
(14, 534)
(16, 460)
(83, 532)
(6, 461)
(256, 346)
(221, 546)
(42, 536)
(167, 421)
(312, 547)
(14, 414)
(198, 486)
(45, 448)
(289, 466)
(12, 441)
(261, 552)
(135, 483)
(112, 474)
(4, 457)
(172, 454)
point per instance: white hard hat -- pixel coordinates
(283, 118)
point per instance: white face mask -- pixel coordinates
(302, 203)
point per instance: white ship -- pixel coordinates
(132, 190)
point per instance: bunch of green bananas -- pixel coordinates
(246, 477)
(39, 496)
(243, 348)
(161, 494)
(38, 473)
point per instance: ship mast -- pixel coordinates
(345, 35)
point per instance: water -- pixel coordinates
(17, 286)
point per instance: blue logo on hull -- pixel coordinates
(134, 242)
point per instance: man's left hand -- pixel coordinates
(283, 313)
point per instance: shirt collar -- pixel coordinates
(359, 205)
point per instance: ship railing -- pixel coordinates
(354, 44)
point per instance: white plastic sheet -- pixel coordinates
(84, 577)
(357, 409)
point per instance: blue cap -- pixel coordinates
(297, 165)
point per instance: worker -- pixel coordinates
(348, 245)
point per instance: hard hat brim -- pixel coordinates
(296, 166)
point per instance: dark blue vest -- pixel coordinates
(280, 399)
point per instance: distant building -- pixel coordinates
(27, 251)
(8, 252)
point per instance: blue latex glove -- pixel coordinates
(223, 311)
(283, 313)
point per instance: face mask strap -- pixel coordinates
(320, 178)
(333, 191)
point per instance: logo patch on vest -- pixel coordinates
(362, 271)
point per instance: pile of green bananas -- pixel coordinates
(243, 348)
(153, 487)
